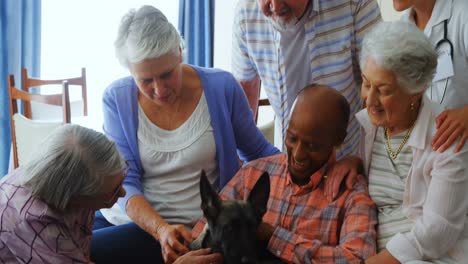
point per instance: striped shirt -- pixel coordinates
(387, 180)
(308, 228)
(333, 32)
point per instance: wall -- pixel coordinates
(81, 33)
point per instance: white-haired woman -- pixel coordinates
(47, 206)
(170, 120)
(421, 194)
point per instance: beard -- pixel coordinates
(281, 24)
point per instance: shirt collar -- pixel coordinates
(442, 11)
(363, 119)
(424, 120)
(315, 6)
(312, 9)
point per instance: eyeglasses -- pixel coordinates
(119, 188)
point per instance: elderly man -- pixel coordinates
(287, 44)
(301, 225)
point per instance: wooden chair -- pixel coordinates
(26, 134)
(29, 82)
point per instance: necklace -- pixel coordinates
(394, 154)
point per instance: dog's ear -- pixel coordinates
(211, 203)
(258, 197)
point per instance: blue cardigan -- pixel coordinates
(234, 129)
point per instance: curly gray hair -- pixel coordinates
(403, 49)
(73, 161)
(145, 34)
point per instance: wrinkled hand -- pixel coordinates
(451, 124)
(383, 257)
(173, 240)
(201, 256)
(348, 167)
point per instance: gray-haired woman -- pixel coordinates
(47, 207)
(169, 120)
(421, 194)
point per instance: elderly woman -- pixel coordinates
(421, 194)
(169, 120)
(47, 207)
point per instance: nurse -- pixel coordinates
(444, 22)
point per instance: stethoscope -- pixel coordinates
(444, 40)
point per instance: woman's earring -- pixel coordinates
(412, 106)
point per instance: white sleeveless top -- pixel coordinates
(172, 161)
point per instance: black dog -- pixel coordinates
(232, 225)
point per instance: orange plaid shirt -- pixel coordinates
(308, 228)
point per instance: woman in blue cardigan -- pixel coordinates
(169, 120)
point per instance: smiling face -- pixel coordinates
(283, 14)
(159, 79)
(387, 103)
(308, 146)
(313, 132)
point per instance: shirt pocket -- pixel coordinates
(332, 56)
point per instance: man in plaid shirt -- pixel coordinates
(301, 225)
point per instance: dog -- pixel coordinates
(232, 225)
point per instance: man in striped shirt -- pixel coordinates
(301, 225)
(287, 44)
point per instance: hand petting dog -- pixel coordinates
(173, 240)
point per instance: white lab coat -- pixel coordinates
(456, 14)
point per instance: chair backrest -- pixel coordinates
(26, 134)
(28, 82)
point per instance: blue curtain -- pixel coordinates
(196, 25)
(20, 35)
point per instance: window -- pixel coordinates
(78, 34)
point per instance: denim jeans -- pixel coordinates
(123, 243)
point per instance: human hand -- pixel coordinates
(451, 124)
(173, 240)
(382, 257)
(349, 167)
(201, 256)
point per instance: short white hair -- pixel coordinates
(73, 161)
(145, 34)
(403, 49)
